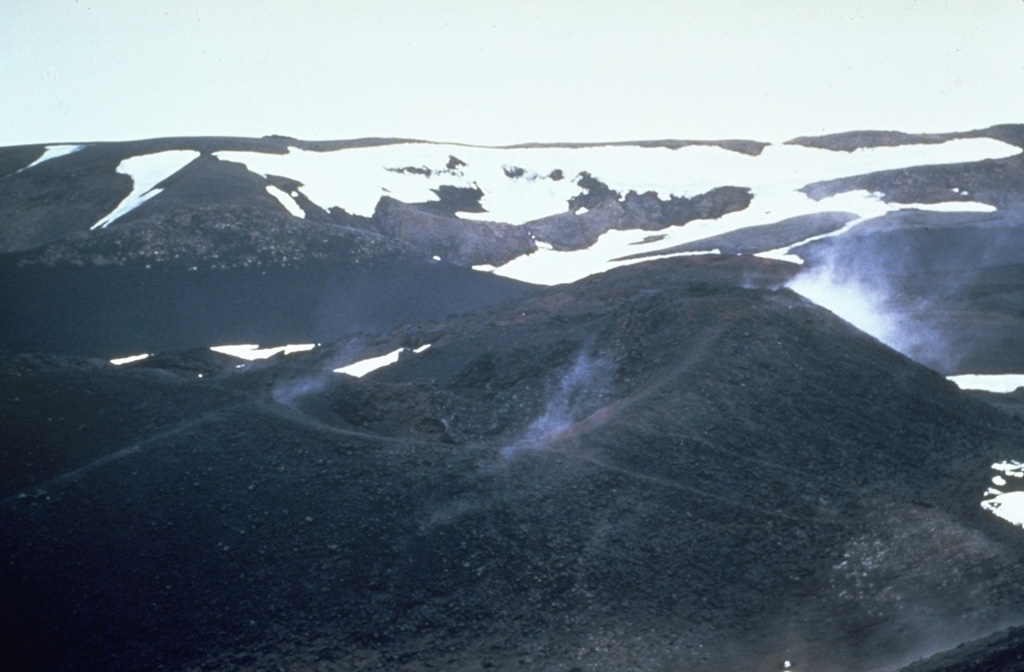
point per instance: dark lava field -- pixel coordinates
(677, 463)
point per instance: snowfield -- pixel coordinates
(520, 185)
(146, 172)
(525, 184)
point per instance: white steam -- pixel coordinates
(866, 299)
(288, 392)
(565, 407)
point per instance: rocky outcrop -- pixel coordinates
(608, 210)
(995, 182)
(456, 241)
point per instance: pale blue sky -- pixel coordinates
(503, 72)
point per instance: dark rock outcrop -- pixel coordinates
(454, 240)
(754, 239)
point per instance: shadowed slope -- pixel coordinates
(673, 465)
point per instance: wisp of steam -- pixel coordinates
(289, 391)
(867, 299)
(567, 404)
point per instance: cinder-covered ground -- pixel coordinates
(673, 465)
(679, 464)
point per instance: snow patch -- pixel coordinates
(999, 383)
(781, 254)
(146, 172)
(53, 152)
(547, 266)
(365, 366)
(287, 200)
(1007, 505)
(951, 206)
(252, 351)
(1011, 468)
(127, 360)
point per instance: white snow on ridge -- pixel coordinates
(146, 171)
(951, 206)
(251, 351)
(287, 201)
(999, 383)
(355, 179)
(549, 267)
(365, 366)
(1011, 468)
(127, 360)
(53, 152)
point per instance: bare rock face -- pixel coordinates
(602, 210)
(453, 240)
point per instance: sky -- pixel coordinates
(495, 73)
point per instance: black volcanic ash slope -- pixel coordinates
(272, 281)
(668, 466)
(215, 260)
(211, 260)
(1000, 652)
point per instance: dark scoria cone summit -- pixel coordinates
(676, 463)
